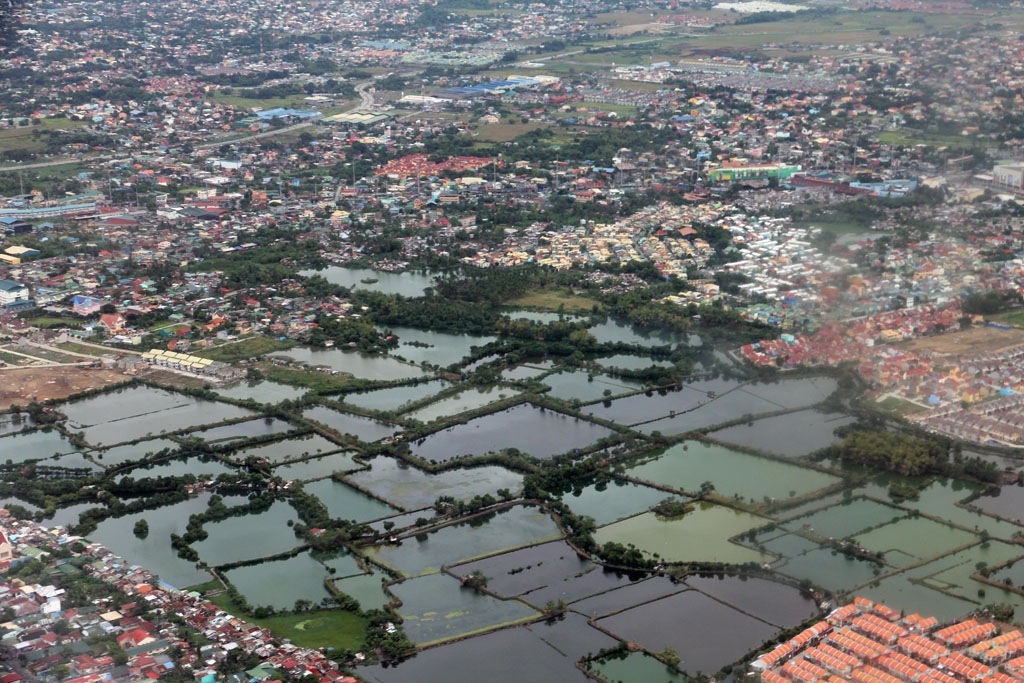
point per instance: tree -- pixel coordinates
(475, 580)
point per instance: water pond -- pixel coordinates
(426, 553)
(552, 650)
(525, 427)
(700, 536)
(636, 666)
(580, 385)
(118, 455)
(687, 465)
(241, 431)
(35, 445)
(611, 501)
(314, 468)
(778, 604)
(367, 589)
(627, 361)
(830, 569)
(616, 332)
(410, 488)
(1006, 502)
(541, 573)
(176, 467)
(794, 434)
(280, 583)
(263, 391)
(363, 428)
(14, 422)
(408, 283)
(344, 502)
(470, 399)
(249, 537)
(396, 398)
(437, 348)
(661, 403)
(846, 519)
(527, 371)
(297, 447)
(713, 636)
(913, 539)
(154, 552)
(436, 608)
(751, 399)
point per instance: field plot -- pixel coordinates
(19, 385)
(973, 340)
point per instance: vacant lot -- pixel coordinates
(973, 340)
(554, 300)
(23, 385)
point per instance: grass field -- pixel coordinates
(249, 347)
(555, 300)
(291, 101)
(1015, 318)
(506, 132)
(47, 322)
(317, 628)
(910, 138)
(898, 406)
(314, 381)
(75, 347)
(23, 139)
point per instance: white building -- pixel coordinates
(12, 292)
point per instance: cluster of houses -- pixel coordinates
(53, 638)
(865, 642)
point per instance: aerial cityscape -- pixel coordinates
(485, 340)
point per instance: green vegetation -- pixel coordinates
(555, 300)
(314, 628)
(250, 347)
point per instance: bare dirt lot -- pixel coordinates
(973, 340)
(23, 385)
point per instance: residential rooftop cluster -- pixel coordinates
(54, 638)
(867, 642)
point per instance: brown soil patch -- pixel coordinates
(965, 342)
(24, 385)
